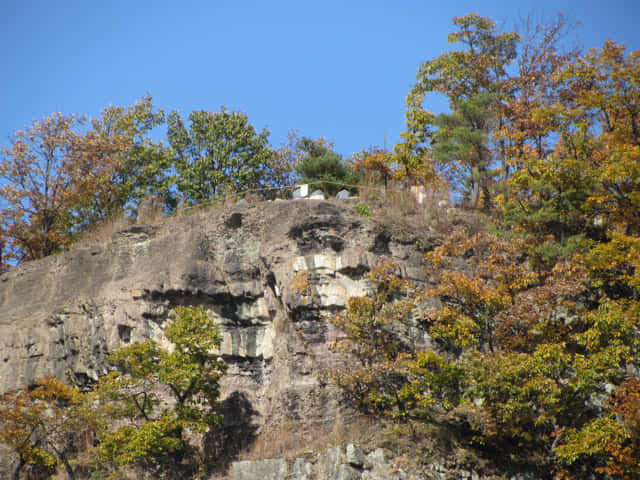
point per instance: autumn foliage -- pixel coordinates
(536, 327)
(46, 426)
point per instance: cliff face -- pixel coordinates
(271, 273)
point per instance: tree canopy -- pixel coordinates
(51, 176)
(220, 152)
(321, 167)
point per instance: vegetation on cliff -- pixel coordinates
(152, 412)
(537, 339)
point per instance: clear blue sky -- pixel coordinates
(333, 68)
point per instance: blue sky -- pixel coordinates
(338, 69)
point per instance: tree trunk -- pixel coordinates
(16, 472)
(475, 189)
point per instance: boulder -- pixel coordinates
(317, 195)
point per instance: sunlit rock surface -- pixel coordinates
(272, 274)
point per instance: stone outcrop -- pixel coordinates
(354, 463)
(271, 273)
(334, 464)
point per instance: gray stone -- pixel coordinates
(270, 469)
(355, 456)
(524, 476)
(375, 459)
(328, 463)
(346, 472)
(343, 195)
(301, 470)
(317, 195)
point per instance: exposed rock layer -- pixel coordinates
(271, 273)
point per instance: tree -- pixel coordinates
(374, 165)
(281, 173)
(220, 153)
(605, 86)
(372, 336)
(460, 145)
(45, 426)
(576, 167)
(538, 323)
(48, 176)
(60, 178)
(321, 167)
(143, 164)
(150, 432)
(612, 440)
(475, 82)
(521, 355)
(534, 87)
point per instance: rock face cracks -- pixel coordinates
(271, 273)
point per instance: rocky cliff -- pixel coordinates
(271, 273)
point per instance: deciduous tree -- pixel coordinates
(219, 152)
(45, 426)
(372, 327)
(48, 175)
(149, 432)
(143, 164)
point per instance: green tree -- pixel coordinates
(474, 80)
(149, 432)
(219, 153)
(321, 167)
(461, 146)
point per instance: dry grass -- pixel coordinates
(297, 440)
(301, 284)
(392, 207)
(103, 233)
(151, 210)
(412, 446)
(434, 214)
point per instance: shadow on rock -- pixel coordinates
(237, 431)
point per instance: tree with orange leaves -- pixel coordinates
(44, 426)
(60, 177)
(375, 165)
(50, 169)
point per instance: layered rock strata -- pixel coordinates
(272, 274)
